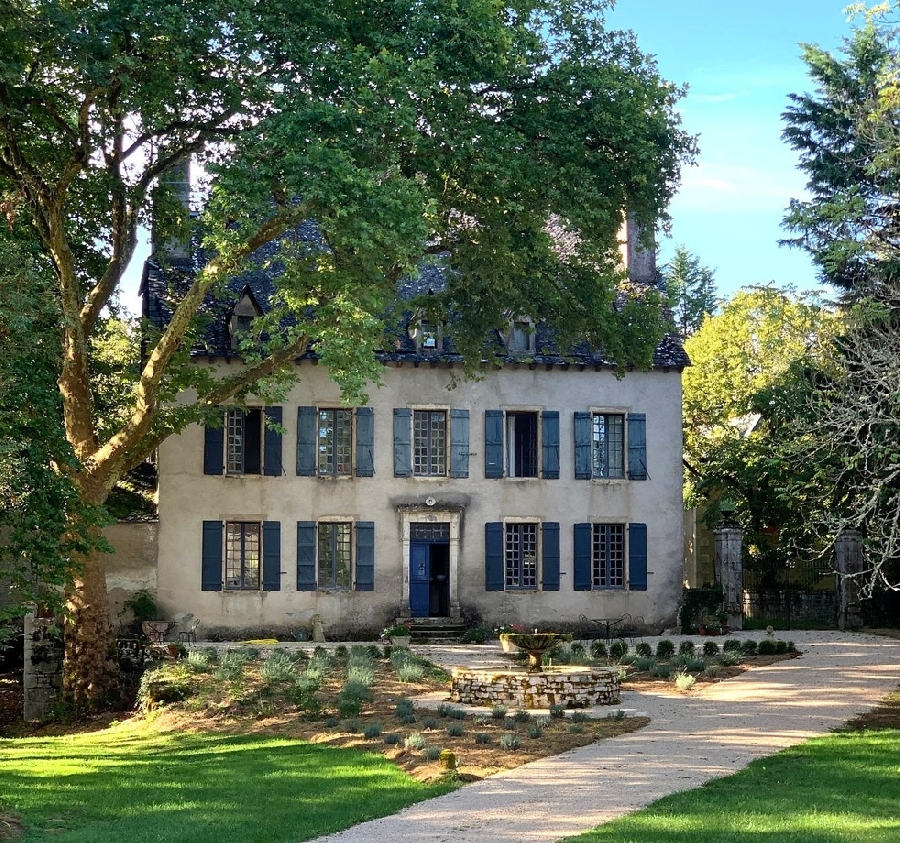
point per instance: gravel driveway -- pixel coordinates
(691, 739)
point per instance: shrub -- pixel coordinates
(414, 741)
(766, 647)
(432, 753)
(430, 723)
(684, 681)
(791, 647)
(665, 649)
(407, 718)
(522, 716)
(475, 635)
(410, 671)
(712, 671)
(390, 738)
(278, 668)
(579, 717)
(363, 674)
(232, 666)
(710, 648)
(454, 713)
(340, 651)
(498, 712)
(372, 731)
(198, 661)
(535, 730)
(645, 663)
(662, 671)
(748, 648)
(482, 738)
(617, 650)
(509, 723)
(354, 725)
(598, 650)
(349, 706)
(732, 645)
(576, 649)
(643, 650)
(455, 730)
(404, 706)
(354, 689)
(729, 658)
(695, 665)
(575, 728)
(360, 653)
(628, 658)
(686, 648)
(374, 651)
(557, 712)
(331, 722)
(509, 741)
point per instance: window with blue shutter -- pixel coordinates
(459, 443)
(582, 553)
(272, 466)
(493, 444)
(493, 556)
(306, 556)
(365, 556)
(550, 556)
(402, 442)
(637, 446)
(306, 441)
(550, 445)
(213, 450)
(365, 442)
(211, 557)
(582, 446)
(637, 557)
(271, 556)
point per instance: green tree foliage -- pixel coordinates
(846, 137)
(744, 394)
(408, 131)
(44, 523)
(691, 288)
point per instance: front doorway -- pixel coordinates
(429, 570)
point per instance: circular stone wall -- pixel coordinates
(570, 687)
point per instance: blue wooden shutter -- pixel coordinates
(213, 449)
(583, 578)
(637, 446)
(253, 440)
(550, 445)
(493, 556)
(637, 557)
(365, 442)
(459, 443)
(272, 466)
(550, 556)
(211, 557)
(402, 442)
(493, 443)
(365, 556)
(306, 556)
(582, 446)
(271, 555)
(306, 441)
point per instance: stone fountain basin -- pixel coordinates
(568, 686)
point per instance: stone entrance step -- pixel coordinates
(434, 630)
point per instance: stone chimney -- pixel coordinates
(639, 262)
(175, 184)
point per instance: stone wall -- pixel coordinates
(570, 687)
(43, 667)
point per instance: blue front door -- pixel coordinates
(419, 579)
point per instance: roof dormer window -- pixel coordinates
(521, 338)
(240, 321)
(427, 335)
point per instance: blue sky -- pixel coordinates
(740, 61)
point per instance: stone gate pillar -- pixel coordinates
(729, 569)
(848, 563)
(43, 667)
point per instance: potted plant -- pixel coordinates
(146, 616)
(399, 634)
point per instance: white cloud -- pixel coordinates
(726, 187)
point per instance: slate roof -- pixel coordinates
(216, 341)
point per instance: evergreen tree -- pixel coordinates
(691, 289)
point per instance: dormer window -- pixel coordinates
(426, 334)
(241, 319)
(521, 337)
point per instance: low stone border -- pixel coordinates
(570, 687)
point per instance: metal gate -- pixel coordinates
(797, 594)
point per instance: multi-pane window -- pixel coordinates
(334, 555)
(242, 554)
(334, 435)
(521, 444)
(430, 443)
(520, 555)
(607, 445)
(608, 555)
(521, 336)
(243, 441)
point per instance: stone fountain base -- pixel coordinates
(570, 687)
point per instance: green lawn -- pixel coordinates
(121, 785)
(841, 788)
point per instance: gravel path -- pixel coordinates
(691, 739)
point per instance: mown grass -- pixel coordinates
(841, 788)
(120, 785)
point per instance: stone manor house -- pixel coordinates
(547, 492)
